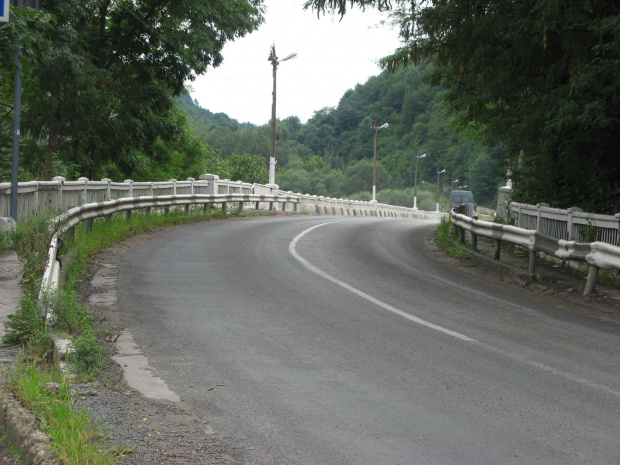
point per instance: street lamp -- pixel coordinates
(456, 181)
(272, 160)
(438, 173)
(375, 128)
(415, 182)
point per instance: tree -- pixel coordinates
(102, 89)
(247, 168)
(535, 76)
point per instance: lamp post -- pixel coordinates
(272, 160)
(415, 182)
(438, 173)
(375, 128)
(456, 181)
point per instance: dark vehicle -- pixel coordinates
(463, 202)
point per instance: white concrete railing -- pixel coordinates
(597, 254)
(572, 224)
(87, 212)
(54, 197)
(128, 196)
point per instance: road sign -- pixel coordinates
(4, 11)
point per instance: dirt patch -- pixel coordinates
(555, 284)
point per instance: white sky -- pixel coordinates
(332, 57)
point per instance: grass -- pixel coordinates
(449, 243)
(37, 382)
(75, 437)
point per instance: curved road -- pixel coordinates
(339, 340)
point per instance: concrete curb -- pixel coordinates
(20, 427)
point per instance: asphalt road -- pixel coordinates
(334, 340)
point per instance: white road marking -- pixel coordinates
(408, 316)
(449, 332)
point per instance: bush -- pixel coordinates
(87, 355)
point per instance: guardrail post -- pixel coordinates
(498, 248)
(462, 235)
(617, 216)
(592, 278)
(89, 225)
(532, 264)
(127, 214)
(474, 240)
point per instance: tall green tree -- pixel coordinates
(102, 90)
(537, 76)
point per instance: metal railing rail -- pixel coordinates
(52, 197)
(88, 212)
(597, 254)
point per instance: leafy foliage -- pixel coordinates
(99, 100)
(537, 77)
(332, 153)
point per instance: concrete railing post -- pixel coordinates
(130, 182)
(84, 192)
(108, 192)
(570, 226)
(539, 216)
(502, 202)
(60, 180)
(213, 179)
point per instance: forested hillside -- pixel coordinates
(332, 153)
(536, 80)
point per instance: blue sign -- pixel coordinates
(4, 10)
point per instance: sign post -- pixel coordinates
(4, 11)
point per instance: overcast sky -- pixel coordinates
(332, 57)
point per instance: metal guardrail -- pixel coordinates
(51, 197)
(290, 202)
(87, 212)
(597, 254)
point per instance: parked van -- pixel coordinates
(463, 202)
